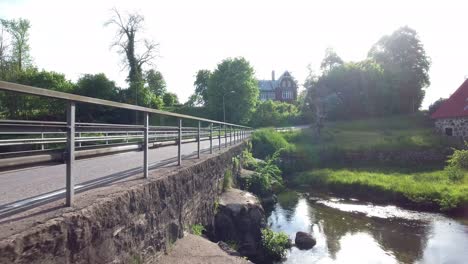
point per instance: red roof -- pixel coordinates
(456, 105)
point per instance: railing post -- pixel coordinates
(145, 145)
(42, 137)
(225, 136)
(179, 145)
(211, 138)
(219, 137)
(70, 154)
(230, 135)
(198, 140)
(79, 143)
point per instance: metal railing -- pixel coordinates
(75, 136)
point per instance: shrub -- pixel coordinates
(275, 244)
(249, 162)
(457, 165)
(197, 229)
(266, 179)
(267, 141)
(459, 159)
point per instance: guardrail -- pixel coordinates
(76, 136)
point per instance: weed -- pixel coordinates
(197, 229)
(227, 181)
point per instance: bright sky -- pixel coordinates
(70, 37)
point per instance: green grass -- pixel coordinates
(411, 132)
(428, 189)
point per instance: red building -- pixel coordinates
(451, 118)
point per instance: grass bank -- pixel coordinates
(423, 190)
(311, 161)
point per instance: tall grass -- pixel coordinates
(267, 141)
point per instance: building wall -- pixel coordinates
(457, 127)
(287, 90)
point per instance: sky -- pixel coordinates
(70, 36)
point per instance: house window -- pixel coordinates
(287, 95)
(449, 131)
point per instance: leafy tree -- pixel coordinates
(19, 31)
(403, 57)
(4, 56)
(97, 86)
(170, 99)
(201, 86)
(33, 107)
(155, 82)
(331, 60)
(233, 81)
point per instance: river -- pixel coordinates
(352, 231)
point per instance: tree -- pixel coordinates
(170, 99)
(4, 52)
(34, 107)
(97, 86)
(126, 41)
(330, 60)
(403, 57)
(155, 82)
(19, 31)
(234, 81)
(201, 85)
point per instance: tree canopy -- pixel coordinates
(404, 59)
(390, 81)
(234, 81)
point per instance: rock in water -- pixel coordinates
(304, 240)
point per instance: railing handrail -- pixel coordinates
(31, 90)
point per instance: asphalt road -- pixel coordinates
(26, 188)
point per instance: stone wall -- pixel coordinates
(134, 225)
(457, 126)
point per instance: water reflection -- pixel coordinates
(353, 232)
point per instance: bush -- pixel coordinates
(275, 244)
(267, 141)
(272, 113)
(266, 179)
(457, 165)
(197, 229)
(248, 161)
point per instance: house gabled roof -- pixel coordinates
(456, 105)
(267, 85)
(270, 85)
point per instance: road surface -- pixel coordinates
(26, 188)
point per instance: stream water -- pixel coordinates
(352, 231)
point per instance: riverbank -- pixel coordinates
(431, 190)
(389, 160)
